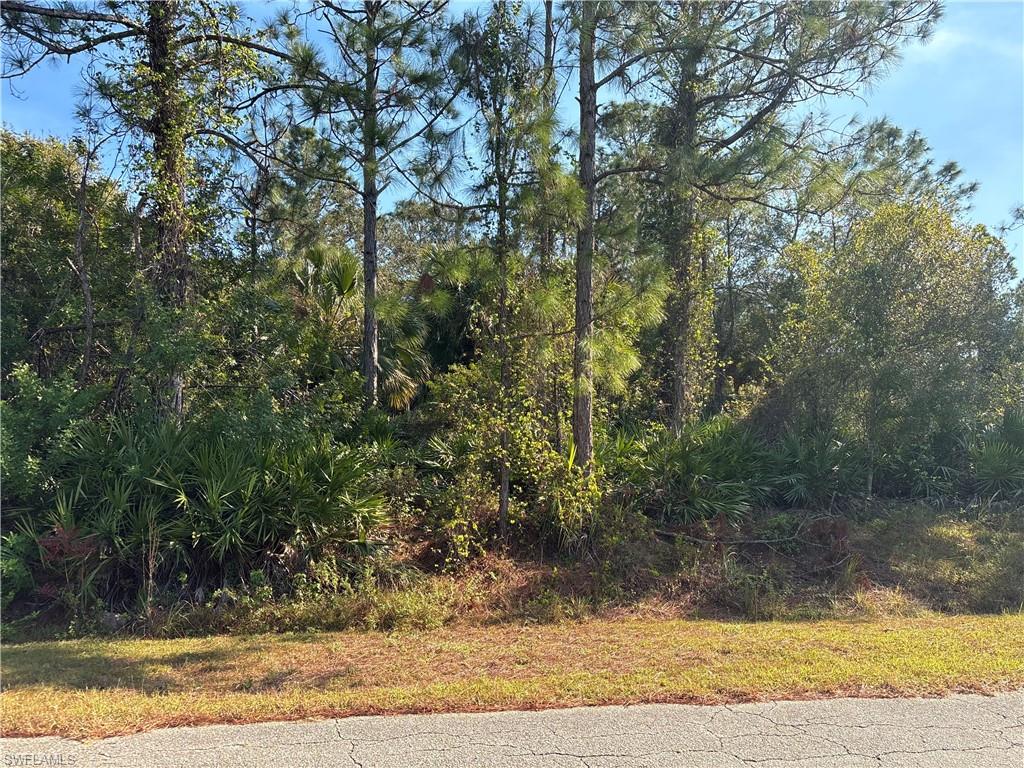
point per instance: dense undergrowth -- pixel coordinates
(895, 560)
(263, 522)
(874, 385)
(861, 558)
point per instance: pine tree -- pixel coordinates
(504, 84)
(384, 93)
(724, 75)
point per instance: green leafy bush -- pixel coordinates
(997, 458)
(16, 558)
(39, 417)
(142, 502)
(550, 498)
(715, 469)
(813, 470)
(998, 468)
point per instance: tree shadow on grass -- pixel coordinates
(898, 559)
(952, 561)
(91, 665)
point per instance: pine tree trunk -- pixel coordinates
(677, 317)
(679, 251)
(139, 314)
(167, 128)
(547, 235)
(679, 248)
(88, 313)
(370, 194)
(370, 333)
(504, 490)
(583, 373)
(549, 45)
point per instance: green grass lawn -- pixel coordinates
(92, 688)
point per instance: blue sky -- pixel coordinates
(963, 90)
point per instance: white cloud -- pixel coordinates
(948, 40)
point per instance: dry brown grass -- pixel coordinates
(92, 688)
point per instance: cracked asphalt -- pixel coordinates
(962, 731)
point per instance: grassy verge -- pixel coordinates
(92, 688)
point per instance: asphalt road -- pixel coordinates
(958, 732)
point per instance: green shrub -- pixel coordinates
(813, 470)
(550, 498)
(142, 502)
(1011, 428)
(758, 593)
(17, 550)
(997, 458)
(917, 474)
(38, 419)
(998, 468)
(715, 470)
